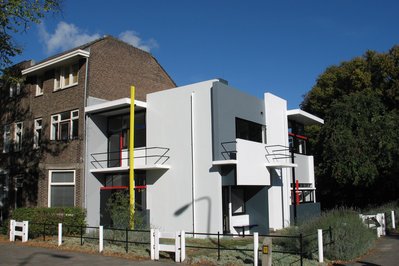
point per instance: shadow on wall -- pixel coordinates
(20, 159)
(187, 206)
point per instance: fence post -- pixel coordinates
(177, 247)
(12, 230)
(44, 231)
(59, 234)
(183, 246)
(156, 244)
(301, 247)
(320, 244)
(330, 233)
(218, 245)
(393, 219)
(152, 244)
(25, 231)
(81, 235)
(100, 238)
(256, 248)
(127, 240)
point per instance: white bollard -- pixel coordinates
(256, 248)
(100, 239)
(12, 230)
(393, 219)
(59, 234)
(25, 231)
(156, 244)
(320, 244)
(152, 243)
(177, 247)
(183, 246)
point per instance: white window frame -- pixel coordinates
(18, 129)
(39, 86)
(6, 138)
(50, 184)
(15, 89)
(60, 74)
(37, 132)
(55, 134)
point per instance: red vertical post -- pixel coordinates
(297, 192)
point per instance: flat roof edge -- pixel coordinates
(110, 105)
(307, 116)
(78, 52)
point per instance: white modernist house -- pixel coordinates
(208, 158)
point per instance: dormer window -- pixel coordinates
(15, 89)
(66, 76)
(39, 86)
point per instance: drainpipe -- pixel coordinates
(85, 133)
(192, 160)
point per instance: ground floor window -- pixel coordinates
(62, 188)
(238, 200)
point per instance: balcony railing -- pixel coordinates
(142, 156)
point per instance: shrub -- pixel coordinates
(351, 238)
(118, 206)
(71, 218)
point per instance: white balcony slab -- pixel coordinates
(122, 169)
(278, 165)
(224, 162)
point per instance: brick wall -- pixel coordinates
(115, 66)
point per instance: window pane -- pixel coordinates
(57, 83)
(65, 115)
(75, 69)
(64, 131)
(75, 127)
(62, 177)
(62, 196)
(66, 76)
(54, 131)
(237, 200)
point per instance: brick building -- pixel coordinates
(42, 148)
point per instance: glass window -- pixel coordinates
(249, 130)
(18, 136)
(6, 138)
(238, 200)
(37, 133)
(39, 86)
(62, 189)
(66, 76)
(65, 125)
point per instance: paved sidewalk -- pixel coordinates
(20, 255)
(386, 253)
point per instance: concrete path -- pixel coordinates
(20, 255)
(386, 253)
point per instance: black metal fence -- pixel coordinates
(300, 245)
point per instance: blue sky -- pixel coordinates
(258, 46)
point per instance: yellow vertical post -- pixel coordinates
(131, 157)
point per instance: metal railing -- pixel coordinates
(105, 160)
(229, 153)
(277, 152)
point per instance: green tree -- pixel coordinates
(16, 16)
(357, 148)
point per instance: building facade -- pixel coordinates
(43, 127)
(208, 158)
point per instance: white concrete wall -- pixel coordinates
(251, 164)
(304, 173)
(277, 134)
(96, 127)
(170, 192)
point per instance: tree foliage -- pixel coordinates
(16, 16)
(357, 149)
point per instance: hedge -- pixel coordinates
(72, 219)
